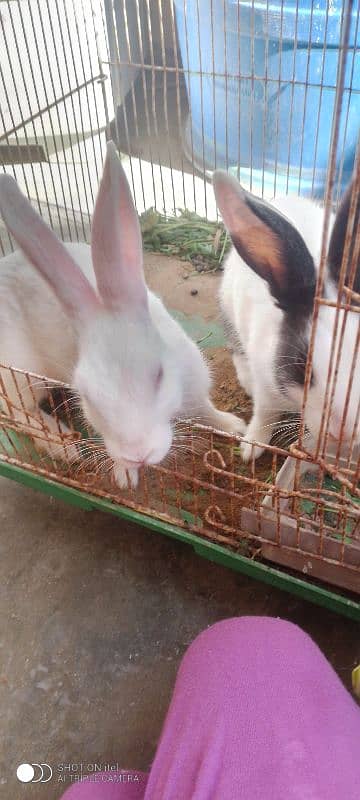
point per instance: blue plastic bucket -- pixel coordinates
(261, 83)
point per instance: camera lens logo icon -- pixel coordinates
(34, 773)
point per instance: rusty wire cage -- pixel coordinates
(74, 73)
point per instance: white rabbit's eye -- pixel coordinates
(159, 377)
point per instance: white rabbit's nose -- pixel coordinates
(130, 463)
(137, 459)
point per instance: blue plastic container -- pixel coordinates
(261, 83)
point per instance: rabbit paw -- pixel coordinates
(70, 445)
(121, 477)
(54, 439)
(233, 424)
(225, 421)
(248, 451)
(258, 430)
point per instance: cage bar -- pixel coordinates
(71, 76)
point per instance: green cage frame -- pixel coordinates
(270, 575)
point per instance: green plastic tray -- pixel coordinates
(213, 552)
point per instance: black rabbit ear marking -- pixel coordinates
(293, 339)
(338, 238)
(268, 243)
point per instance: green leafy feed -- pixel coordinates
(186, 236)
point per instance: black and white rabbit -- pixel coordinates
(84, 316)
(267, 297)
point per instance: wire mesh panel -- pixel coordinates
(246, 86)
(270, 92)
(204, 487)
(54, 105)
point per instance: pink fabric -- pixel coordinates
(124, 785)
(257, 712)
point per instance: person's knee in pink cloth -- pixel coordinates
(111, 785)
(257, 712)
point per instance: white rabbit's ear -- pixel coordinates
(267, 242)
(45, 251)
(116, 239)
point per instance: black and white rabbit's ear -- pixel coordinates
(45, 251)
(116, 242)
(338, 238)
(267, 242)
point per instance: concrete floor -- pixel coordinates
(95, 617)
(96, 614)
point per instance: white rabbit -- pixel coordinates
(84, 316)
(267, 297)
